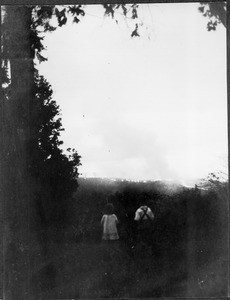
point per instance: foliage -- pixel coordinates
(43, 15)
(31, 128)
(128, 10)
(215, 12)
(55, 172)
(49, 18)
(217, 183)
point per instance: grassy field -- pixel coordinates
(187, 256)
(108, 270)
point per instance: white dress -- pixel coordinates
(109, 223)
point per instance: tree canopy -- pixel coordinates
(215, 12)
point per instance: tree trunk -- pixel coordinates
(17, 182)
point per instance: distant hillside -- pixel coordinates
(118, 185)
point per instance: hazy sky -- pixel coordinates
(152, 107)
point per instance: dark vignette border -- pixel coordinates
(95, 2)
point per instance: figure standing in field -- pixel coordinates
(144, 218)
(109, 222)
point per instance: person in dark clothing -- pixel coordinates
(144, 219)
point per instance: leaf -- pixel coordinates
(61, 17)
(40, 57)
(124, 9)
(211, 25)
(134, 13)
(76, 20)
(48, 27)
(201, 9)
(79, 11)
(135, 32)
(109, 9)
(76, 10)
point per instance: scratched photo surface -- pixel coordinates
(114, 151)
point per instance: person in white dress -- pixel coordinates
(109, 222)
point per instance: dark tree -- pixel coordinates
(55, 173)
(37, 178)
